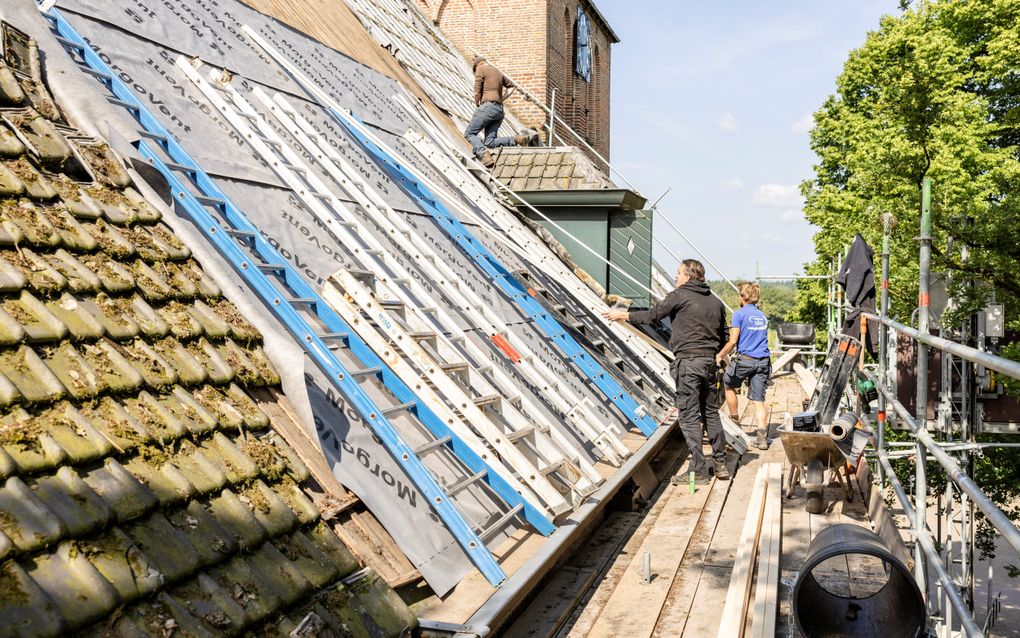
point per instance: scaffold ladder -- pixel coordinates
(462, 411)
(315, 326)
(479, 254)
(574, 409)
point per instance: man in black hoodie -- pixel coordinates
(699, 332)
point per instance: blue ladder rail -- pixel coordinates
(503, 279)
(212, 197)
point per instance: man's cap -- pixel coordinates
(478, 59)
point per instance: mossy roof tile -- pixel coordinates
(138, 474)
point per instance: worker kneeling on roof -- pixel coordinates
(749, 334)
(488, 117)
(698, 320)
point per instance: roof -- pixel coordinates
(612, 34)
(615, 199)
(534, 168)
(143, 490)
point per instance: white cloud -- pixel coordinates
(734, 184)
(728, 123)
(791, 215)
(779, 196)
(803, 125)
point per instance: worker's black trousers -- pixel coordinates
(698, 397)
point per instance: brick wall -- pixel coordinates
(533, 40)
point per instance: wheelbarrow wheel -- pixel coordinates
(815, 503)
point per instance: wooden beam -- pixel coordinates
(787, 358)
(808, 381)
(766, 591)
(739, 591)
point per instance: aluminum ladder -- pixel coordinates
(574, 410)
(487, 263)
(462, 411)
(317, 328)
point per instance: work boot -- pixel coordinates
(487, 160)
(721, 471)
(761, 441)
(684, 478)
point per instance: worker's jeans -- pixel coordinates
(698, 397)
(488, 118)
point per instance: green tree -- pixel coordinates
(934, 91)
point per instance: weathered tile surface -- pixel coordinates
(142, 491)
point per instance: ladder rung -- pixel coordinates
(577, 325)
(69, 43)
(121, 103)
(520, 434)
(422, 335)
(159, 137)
(214, 201)
(488, 399)
(454, 367)
(431, 445)
(248, 116)
(456, 339)
(428, 310)
(98, 74)
(391, 303)
(272, 267)
(400, 281)
(333, 336)
(366, 275)
(180, 168)
(398, 408)
(459, 485)
(346, 224)
(616, 361)
(485, 369)
(559, 308)
(552, 467)
(375, 252)
(598, 343)
(241, 234)
(365, 372)
(302, 301)
(501, 523)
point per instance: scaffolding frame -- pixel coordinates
(944, 557)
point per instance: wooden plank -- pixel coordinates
(739, 589)
(679, 602)
(787, 358)
(633, 608)
(808, 381)
(766, 588)
(726, 540)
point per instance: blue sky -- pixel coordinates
(714, 99)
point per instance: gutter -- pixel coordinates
(514, 591)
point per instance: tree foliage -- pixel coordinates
(778, 299)
(934, 91)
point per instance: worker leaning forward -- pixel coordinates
(749, 334)
(699, 331)
(492, 88)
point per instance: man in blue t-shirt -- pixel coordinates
(749, 334)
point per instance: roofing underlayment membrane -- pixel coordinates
(143, 44)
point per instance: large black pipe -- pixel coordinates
(896, 610)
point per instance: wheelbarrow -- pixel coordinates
(810, 454)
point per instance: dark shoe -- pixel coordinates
(684, 478)
(761, 441)
(721, 472)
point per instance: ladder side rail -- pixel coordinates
(503, 279)
(540, 254)
(390, 221)
(417, 472)
(631, 410)
(290, 159)
(352, 301)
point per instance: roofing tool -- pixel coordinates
(316, 327)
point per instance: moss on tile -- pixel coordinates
(11, 592)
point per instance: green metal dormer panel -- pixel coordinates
(630, 248)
